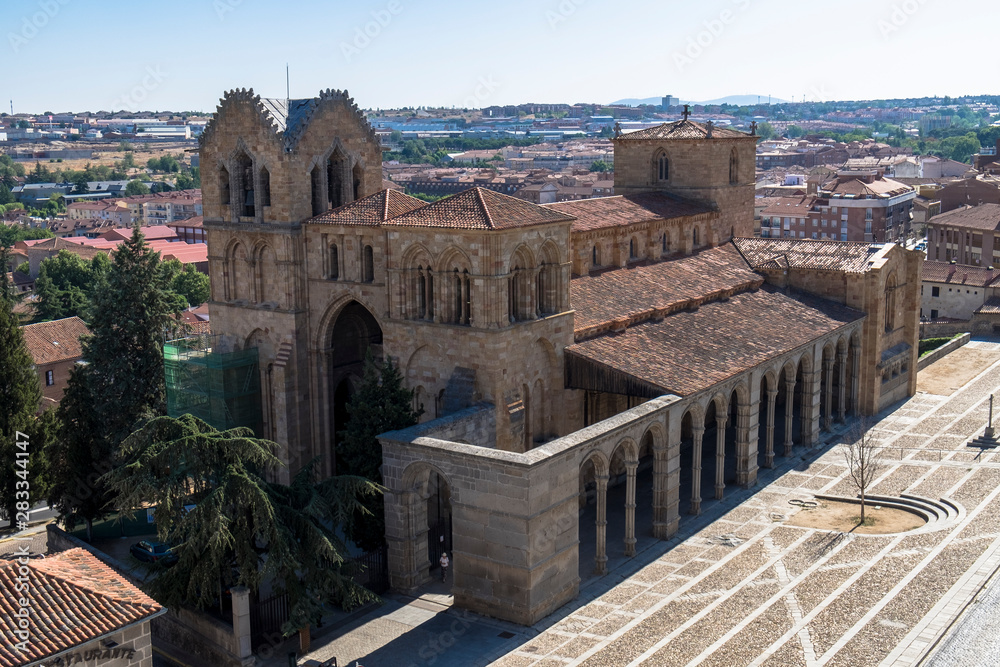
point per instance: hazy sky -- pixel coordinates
(63, 55)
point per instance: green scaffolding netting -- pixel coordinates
(221, 388)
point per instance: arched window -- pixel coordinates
(694, 237)
(357, 175)
(334, 260)
(631, 249)
(245, 191)
(665, 244)
(336, 179)
(595, 257)
(734, 168)
(661, 167)
(462, 300)
(265, 187)
(421, 293)
(318, 201)
(224, 197)
(890, 303)
(369, 265)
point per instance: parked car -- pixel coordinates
(153, 552)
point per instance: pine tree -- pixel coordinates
(382, 403)
(20, 394)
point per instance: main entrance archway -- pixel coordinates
(354, 333)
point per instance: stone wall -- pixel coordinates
(941, 329)
(943, 351)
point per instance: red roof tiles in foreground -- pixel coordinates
(74, 598)
(615, 297)
(684, 129)
(49, 342)
(807, 254)
(479, 208)
(372, 210)
(621, 210)
(688, 352)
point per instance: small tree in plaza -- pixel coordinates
(865, 459)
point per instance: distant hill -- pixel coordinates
(739, 100)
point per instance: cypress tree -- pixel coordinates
(20, 394)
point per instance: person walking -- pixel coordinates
(444, 562)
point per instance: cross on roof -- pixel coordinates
(687, 111)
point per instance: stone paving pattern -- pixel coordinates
(783, 595)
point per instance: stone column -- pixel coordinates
(697, 432)
(789, 414)
(242, 645)
(828, 398)
(810, 408)
(720, 456)
(630, 469)
(842, 380)
(856, 380)
(601, 559)
(746, 469)
(660, 482)
(772, 398)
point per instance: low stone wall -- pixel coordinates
(475, 425)
(942, 329)
(945, 349)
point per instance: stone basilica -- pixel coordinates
(627, 357)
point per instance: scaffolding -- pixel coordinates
(219, 387)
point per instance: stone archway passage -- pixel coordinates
(354, 333)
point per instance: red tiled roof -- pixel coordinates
(882, 187)
(684, 129)
(74, 599)
(688, 352)
(372, 210)
(621, 210)
(613, 298)
(807, 254)
(991, 307)
(479, 208)
(790, 206)
(195, 222)
(959, 274)
(59, 340)
(984, 216)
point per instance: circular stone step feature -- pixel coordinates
(937, 514)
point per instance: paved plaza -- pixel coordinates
(740, 586)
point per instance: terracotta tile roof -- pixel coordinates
(59, 340)
(688, 352)
(683, 129)
(622, 210)
(614, 298)
(75, 599)
(959, 274)
(195, 222)
(991, 307)
(479, 208)
(372, 210)
(807, 254)
(883, 187)
(984, 216)
(798, 207)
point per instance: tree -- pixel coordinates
(382, 403)
(61, 287)
(601, 166)
(80, 185)
(128, 160)
(193, 285)
(243, 529)
(766, 131)
(121, 383)
(21, 444)
(136, 187)
(5, 196)
(864, 458)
